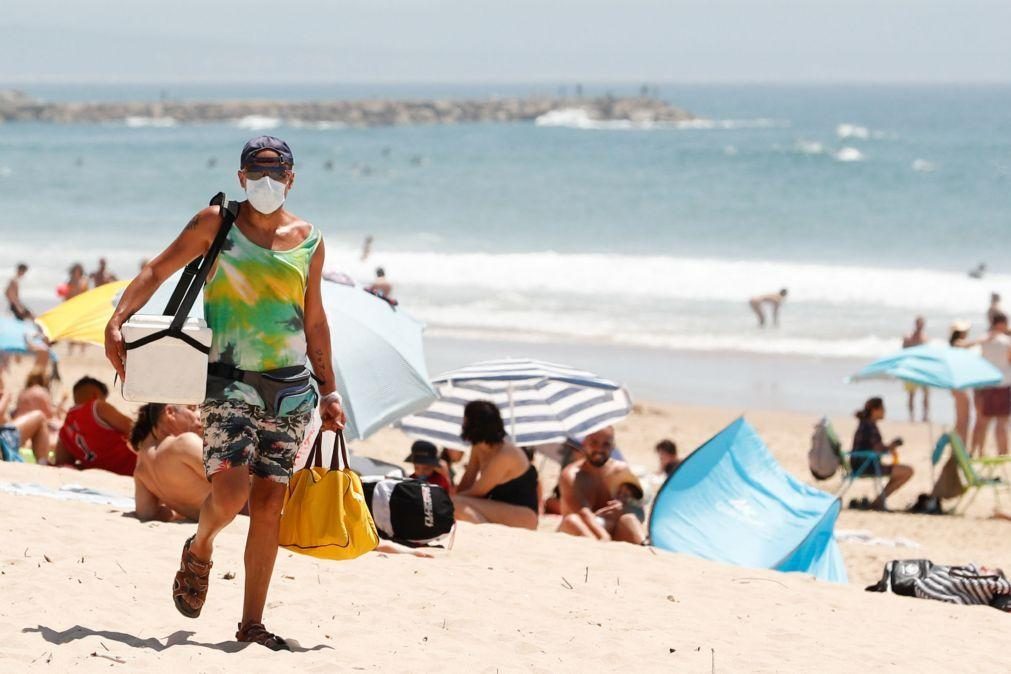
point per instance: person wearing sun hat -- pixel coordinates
(427, 466)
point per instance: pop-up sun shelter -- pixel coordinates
(730, 501)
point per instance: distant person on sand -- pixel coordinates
(102, 275)
(28, 428)
(94, 433)
(381, 285)
(868, 439)
(667, 453)
(917, 337)
(169, 480)
(994, 308)
(959, 339)
(774, 300)
(994, 403)
(499, 485)
(13, 294)
(366, 247)
(590, 490)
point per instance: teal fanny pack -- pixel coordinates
(284, 391)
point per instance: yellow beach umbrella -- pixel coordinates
(82, 318)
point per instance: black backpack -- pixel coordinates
(409, 511)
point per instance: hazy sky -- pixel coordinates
(505, 40)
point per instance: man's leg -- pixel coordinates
(33, 428)
(265, 500)
(757, 308)
(911, 402)
(1001, 432)
(229, 493)
(926, 403)
(629, 529)
(979, 433)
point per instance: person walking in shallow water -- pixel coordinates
(266, 314)
(774, 300)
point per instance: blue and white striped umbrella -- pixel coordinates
(541, 403)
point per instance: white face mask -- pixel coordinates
(266, 194)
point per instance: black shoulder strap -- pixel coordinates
(229, 211)
(192, 280)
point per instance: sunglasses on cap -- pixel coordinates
(278, 172)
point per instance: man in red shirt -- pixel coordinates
(94, 434)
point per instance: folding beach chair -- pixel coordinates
(977, 473)
(869, 463)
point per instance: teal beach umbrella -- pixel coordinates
(378, 357)
(935, 366)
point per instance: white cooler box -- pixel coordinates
(167, 370)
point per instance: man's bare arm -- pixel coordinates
(193, 241)
(317, 331)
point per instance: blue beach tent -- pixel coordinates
(730, 501)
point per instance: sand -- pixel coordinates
(86, 587)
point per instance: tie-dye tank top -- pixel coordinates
(254, 306)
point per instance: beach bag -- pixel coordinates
(900, 576)
(325, 514)
(409, 511)
(167, 354)
(823, 458)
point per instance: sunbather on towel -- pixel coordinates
(590, 489)
(169, 480)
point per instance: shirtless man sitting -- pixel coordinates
(774, 300)
(169, 480)
(589, 494)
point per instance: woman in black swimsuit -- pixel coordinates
(500, 483)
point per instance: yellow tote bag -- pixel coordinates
(325, 514)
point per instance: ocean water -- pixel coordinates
(868, 203)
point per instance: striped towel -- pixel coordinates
(961, 585)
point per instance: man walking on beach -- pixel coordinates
(266, 314)
(917, 337)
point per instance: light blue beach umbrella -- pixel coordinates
(541, 403)
(15, 335)
(378, 357)
(936, 366)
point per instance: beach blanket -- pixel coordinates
(69, 492)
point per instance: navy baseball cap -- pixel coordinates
(259, 143)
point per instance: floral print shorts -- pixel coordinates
(239, 434)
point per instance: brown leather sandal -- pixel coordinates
(189, 589)
(256, 633)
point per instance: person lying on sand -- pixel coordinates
(94, 433)
(500, 483)
(589, 494)
(169, 480)
(774, 300)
